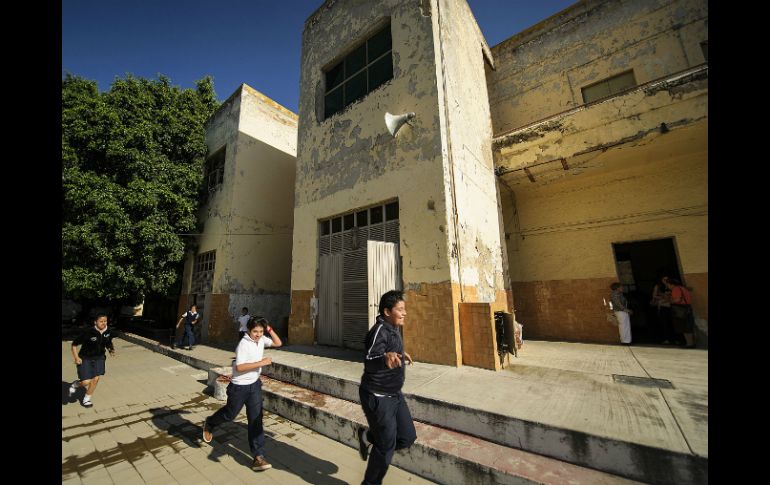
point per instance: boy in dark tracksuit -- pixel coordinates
(390, 422)
(90, 360)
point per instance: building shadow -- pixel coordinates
(329, 352)
(283, 456)
(176, 426)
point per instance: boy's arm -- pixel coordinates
(75, 357)
(111, 346)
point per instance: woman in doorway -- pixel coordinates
(681, 311)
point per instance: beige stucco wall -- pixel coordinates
(469, 170)
(540, 72)
(566, 229)
(248, 219)
(350, 160)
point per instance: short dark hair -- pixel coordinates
(390, 299)
(614, 286)
(100, 315)
(257, 320)
(675, 282)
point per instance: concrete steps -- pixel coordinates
(632, 460)
(300, 394)
(439, 454)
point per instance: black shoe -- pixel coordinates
(363, 444)
(188, 348)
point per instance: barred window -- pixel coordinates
(203, 272)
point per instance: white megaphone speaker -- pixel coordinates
(394, 122)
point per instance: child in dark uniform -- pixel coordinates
(91, 358)
(390, 423)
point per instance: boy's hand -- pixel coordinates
(78, 360)
(392, 360)
(112, 353)
(408, 358)
(267, 361)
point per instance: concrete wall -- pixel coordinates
(561, 254)
(437, 168)
(350, 160)
(540, 71)
(248, 220)
(575, 178)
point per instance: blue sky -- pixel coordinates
(256, 42)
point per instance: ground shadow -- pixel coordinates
(230, 439)
(337, 353)
(65, 394)
(172, 422)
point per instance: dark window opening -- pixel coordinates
(325, 228)
(337, 224)
(391, 211)
(376, 215)
(361, 218)
(349, 221)
(215, 170)
(362, 71)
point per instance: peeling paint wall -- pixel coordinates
(576, 178)
(248, 219)
(439, 165)
(469, 171)
(350, 160)
(540, 72)
(566, 229)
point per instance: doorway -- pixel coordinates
(640, 265)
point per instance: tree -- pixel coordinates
(132, 174)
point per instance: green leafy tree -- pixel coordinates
(131, 182)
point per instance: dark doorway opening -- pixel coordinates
(640, 265)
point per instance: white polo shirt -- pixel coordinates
(243, 321)
(246, 352)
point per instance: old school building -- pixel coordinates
(532, 175)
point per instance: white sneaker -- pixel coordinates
(87, 402)
(73, 388)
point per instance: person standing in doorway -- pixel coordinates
(243, 322)
(390, 423)
(681, 311)
(245, 388)
(190, 318)
(91, 358)
(661, 302)
(622, 312)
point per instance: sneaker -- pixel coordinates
(73, 388)
(87, 402)
(260, 464)
(207, 436)
(363, 444)
(188, 348)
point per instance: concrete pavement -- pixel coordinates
(144, 427)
